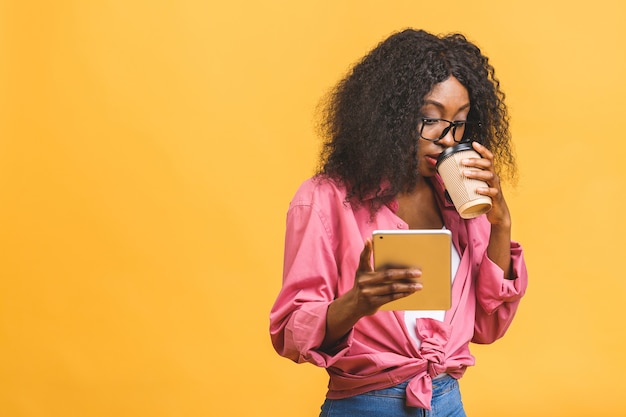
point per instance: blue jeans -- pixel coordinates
(391, 402)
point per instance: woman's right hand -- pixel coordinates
(371, 290)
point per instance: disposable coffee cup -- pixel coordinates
(462, 190)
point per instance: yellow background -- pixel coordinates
(149, 150)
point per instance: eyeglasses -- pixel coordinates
(435, 129)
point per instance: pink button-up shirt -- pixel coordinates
(324, 239)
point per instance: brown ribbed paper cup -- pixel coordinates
(462, 190)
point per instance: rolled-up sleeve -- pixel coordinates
(310, 274)
(498, 297)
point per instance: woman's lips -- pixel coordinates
(432, 159)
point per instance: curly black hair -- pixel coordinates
(369, 120)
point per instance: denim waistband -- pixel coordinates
(443, 384)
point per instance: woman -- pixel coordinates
(386, 122)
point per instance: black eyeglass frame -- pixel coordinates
(444, 132)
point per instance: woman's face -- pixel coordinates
(448, 100)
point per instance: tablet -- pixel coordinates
(429, 250)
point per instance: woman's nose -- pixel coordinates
(448, 139)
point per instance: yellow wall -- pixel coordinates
(148, 151)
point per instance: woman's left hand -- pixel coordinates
(499, 213)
